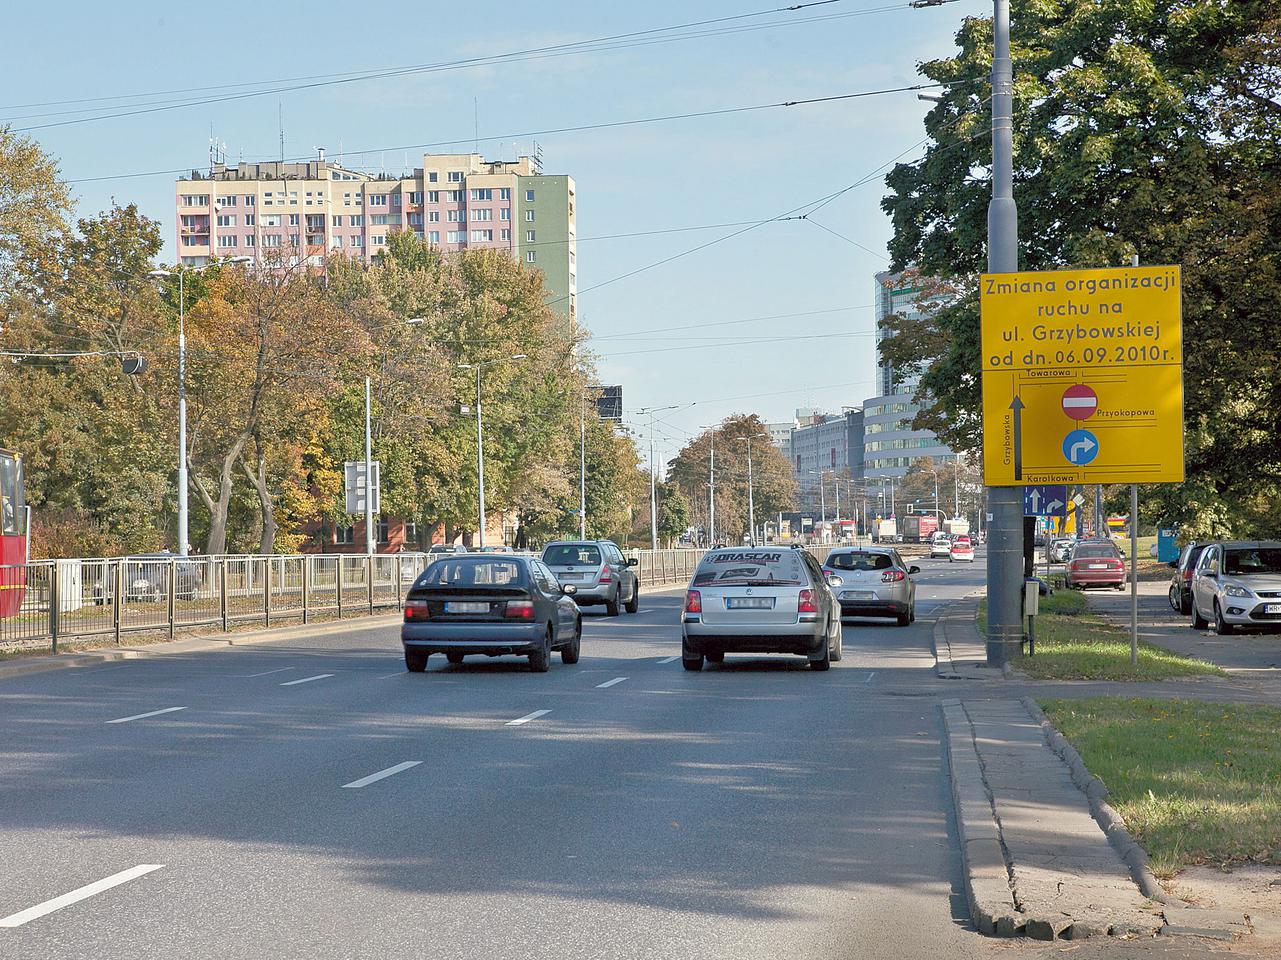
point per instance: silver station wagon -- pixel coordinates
(759, 600)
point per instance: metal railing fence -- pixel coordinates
(67, 600)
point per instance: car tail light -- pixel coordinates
(693, 602)
(416, 610)
(519, 610)
(1187, 573)
(892, 576)
(807, 603)
(606, 574)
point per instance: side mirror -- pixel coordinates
(568, 589)
(912, 570)
(833, 580)
(632, 562)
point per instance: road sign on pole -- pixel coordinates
(1045, 500)
(354, 487)
(1083, 376)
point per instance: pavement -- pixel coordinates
(305, 796)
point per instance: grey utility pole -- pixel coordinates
(751, 500)
(1004, 504)
(582, 469)
(369, 478)
(711, 492)
(480, 441)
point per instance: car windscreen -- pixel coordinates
(1253, 560)
(860, 561)
(1100, 552)
(571, 554)
(746, 567)
(472, 572)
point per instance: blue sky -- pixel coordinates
(686, 173)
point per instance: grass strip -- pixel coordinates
(1074, 645)
(1197, 783)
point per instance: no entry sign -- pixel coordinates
(1080, 401)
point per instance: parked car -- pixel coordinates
(941, 546)
(1181, 580)
(439, 548)
(600, 572)
(146, 578)
(875, 582)
(490, 605)
(961, 549)
(1095, 563)
(497, 549)
(1058, 549)
(760, 600)
(1237, 584)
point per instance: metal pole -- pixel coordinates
(1004, 504)
(956, 488)
(480, 465)
(822, 497)
(751, 501)
(183, 515)
(653, 493)
(1134, 574)
(711, 492)
(582, 469)
(1099, 520)
(369, 478)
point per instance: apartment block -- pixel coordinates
(294, 213)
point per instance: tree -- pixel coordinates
(1140, 127)
(773, 482)
(34, 205)
(673, 514)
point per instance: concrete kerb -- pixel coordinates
(985, 868)
(1109, 821)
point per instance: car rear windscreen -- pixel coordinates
(472, 572)
(860, 561)
(746, 567)
(1097, 553)
(1239, 563)
(571, 554)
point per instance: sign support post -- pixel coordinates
(1134, 574)
(1004, 503)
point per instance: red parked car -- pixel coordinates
(1096, 563)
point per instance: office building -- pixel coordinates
(294, 213)
(891, 445)
(911, 296)
(830, 445)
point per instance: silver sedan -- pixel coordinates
(760, 600)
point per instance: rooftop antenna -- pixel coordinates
(538, 157)
(280, 116)
(340, 151)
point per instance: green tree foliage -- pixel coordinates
(1141, 127)
(673, 514)
(773, 481)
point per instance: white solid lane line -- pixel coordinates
(610, 683)
(143, 716)
(267, 673)
(319, 676)
(870, 676)
(381, 775)
(670, 659)
(75, 896)
(527, 717)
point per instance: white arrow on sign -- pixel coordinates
(1054, 506)
(1035, 498)
(1085, 446)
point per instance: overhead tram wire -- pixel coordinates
(603, 44)
(580, 128)
(472, 60)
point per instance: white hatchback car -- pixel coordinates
(962, 549)
(940, 546)
(1237, 584)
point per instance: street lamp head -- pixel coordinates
(415, 321)
(518, 356)
(159, 274)
(240, 259)
(465, 366)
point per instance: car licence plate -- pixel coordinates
(570, 576)
(465, 606)
(749, 603)
(858, 594)
(1098, 566)
(1272, 608)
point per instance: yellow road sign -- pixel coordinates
(1083, 376)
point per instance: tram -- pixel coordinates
(13, 534)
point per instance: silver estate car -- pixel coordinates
(760, 600)
(875, 582)
(1237, 584)
(600, 572)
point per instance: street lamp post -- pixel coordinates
(480, 441)
(751, 501)
(582, 469)
(184, 547)
(653, 487)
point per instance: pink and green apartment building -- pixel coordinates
(302, 212)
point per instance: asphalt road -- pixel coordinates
(310, 798)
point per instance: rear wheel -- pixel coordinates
(454, 657)
(1176, 600)
(1221, 626)
(717, 657)
(690, 660)
(634, 603)
(611, 606)
(570, 653)
(415, 662)
(904, 618)
(1198, 622)
(825, 663)
(835, 647)
(540, 660)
